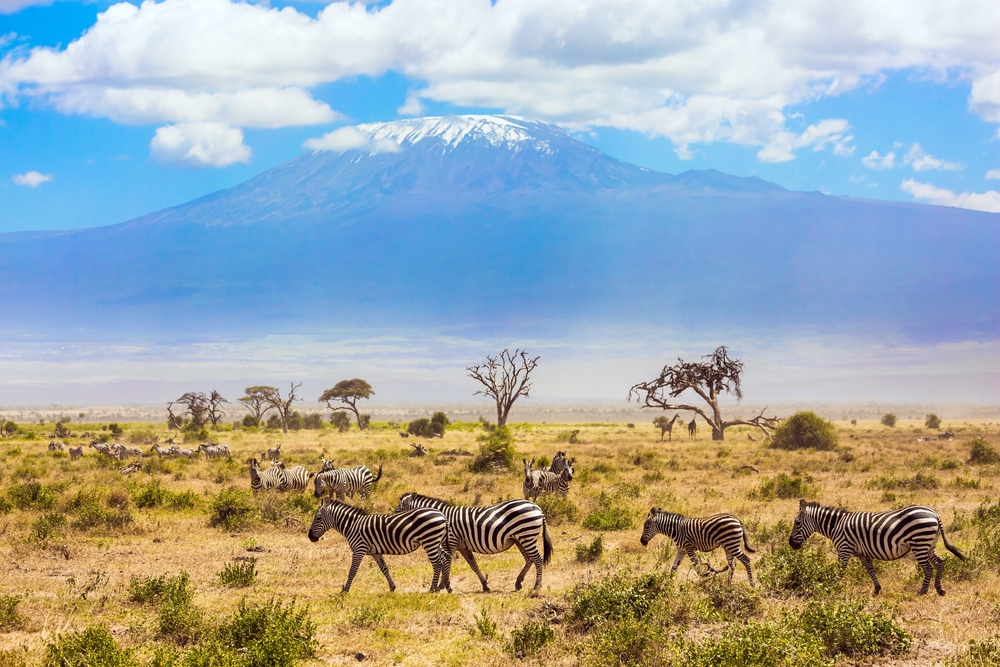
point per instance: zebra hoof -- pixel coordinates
(940, 592)
(517, 585)
(877, 591)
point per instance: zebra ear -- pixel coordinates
(802, 503)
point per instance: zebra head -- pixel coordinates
(567, 472)
(327, 465)
(324, 520)
(319, 485)
(805, 524)
(406, 502)
(527, 467)
(650, 528)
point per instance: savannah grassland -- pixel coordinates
(67, 573)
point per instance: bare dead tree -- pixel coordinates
(283, 406)
(214, 407)
(173, 421)
(196, 406)
(256, 400)
(505, 378)
(715, 375)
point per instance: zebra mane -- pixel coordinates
(348, 509)
(414, 494)
(815, 506)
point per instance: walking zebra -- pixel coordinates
(342, 481)
(75, 452)
(186, 453)
(558, 463)
(214, 451)
(265, 480)
(491, 530)
(881, 535)
(160, 451)
(122, 452)
(295, 479)
(379, 535)
(705, 535)
(102, 448)
(540, 482)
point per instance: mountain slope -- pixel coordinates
(502, 224)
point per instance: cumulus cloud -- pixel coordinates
(921, 161)
(695, 73)
(199, 145)
(31, 179)
(977, 201)
(350, 138)
(879, 162)
(993, 174)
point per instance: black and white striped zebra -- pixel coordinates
(341, 481)
(540, 482)
(56, 446)
(379, 535)
(274, 454)
(102, 448)
(75, 453)
(160, 451)
(214, 451)
(121, 452)
(295, 479)
(705, 535)
(187, 453)
(558, 463)
(877, 535)
(135, 466)
(265, 480)
(491, 530)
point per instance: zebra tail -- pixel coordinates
(546, 544)
(379, 476)
(948, 545)
(746, 542)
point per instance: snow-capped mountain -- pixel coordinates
(501, 223)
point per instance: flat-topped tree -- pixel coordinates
(716, 375)
(195, 406)
(505, 378)
(349, 392)
(257, 400)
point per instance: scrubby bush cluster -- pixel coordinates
(429, 428)
(613, 513)
(496, 451)
(982, 453)
(784, 486)
(805, 430)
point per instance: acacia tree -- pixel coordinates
(283, 406)
(257, 400)
(715, 375)
(195, 406)
(349, 392)
(505, 378)
(214, 407)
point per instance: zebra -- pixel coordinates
(881, 535)
(540, 482)
(135, 466)
(178, 452)
(327, 465)
(705, 535)
(274, 454)
(345, 481)
(101, 447)
(214, 451)
(491, 530)
(558, 463)
(56, 446)
(295, 479)
(379, 535)
(265, 480)
(75, 452)
(121, 452)
(160, 451)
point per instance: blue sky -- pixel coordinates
(102, 120)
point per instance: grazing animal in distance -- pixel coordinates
(666, 426)
(404, 435)
(264, 480)
(877, 535)
(56, 446)
(705, 535)
(693, 428)
(75, 453)
(491, 530)
(214, 451)
(295, 479)
(418, 449)
(186, 453)
(122, 452)
(345, 481)
(540, 482)
(751, 438)
(274, 454)
(102, 448)
(380, 535)
(160, 451)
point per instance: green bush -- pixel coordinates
(496, 451)
(46, 526)
(888, 419)
(984, 653)
(982, 453)
(806, 571)
(629, 642)
(932, 421)
(617, 597)
(12, 658)
(10, 618)
(6, 507)
(179, 619)
(93, 647)
(590, 553)
(312, 421)
(557, 509)
(250, 421)
(758, 644)
(529, 639)
(919, 481)
(783, 486)
(267, 635)
(240, 574)
(340, 420)
(369, 616)
(233, 508)
(846, 629)
(153, 495)
(90, 512)
(486, 627)
(32, 495)
(728, 600)
(805, 430)
(612, 514)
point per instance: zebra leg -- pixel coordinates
(355, 564)
(743, 558)
(938, 569)
(471, 560)
(695, 562)
(677, 561)
(870, 567)
(380, 561)
(528, 560)
(925, 561)
(532, 556)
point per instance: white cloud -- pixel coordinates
(412, 107)
(350, 138)
(985, 201)
(199, 145)
(921, 161)
(993, 174)
(879, 162)
(13, 6)
(695, 73)
(31, 179)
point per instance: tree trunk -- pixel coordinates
(718, 433)
(501, 418)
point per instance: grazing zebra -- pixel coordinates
(491, 530)
(540, 482)
(75, 452)
(186, 453)
(705, 535)
(295, 479)
(56, 446)
(346, 481)
(265, 480)
(274, 454)
(160, 451)
(379, 535)
(881, 535)
(135, 466)
(121, 452)
(214, 451)
(102, 448)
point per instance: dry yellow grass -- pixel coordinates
(78, 577)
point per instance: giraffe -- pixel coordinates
(693, 428)
(668, 428)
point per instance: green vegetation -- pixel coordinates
(92, 647)
(239, 574)
(846, 629)
(805, 430)
(932, 421)
(10, 618)
(590, 553)
(612, 513)
(783, 486)
(806, 571)
(982, 453)
(32, 495)
(888, 419)
(529, 639)
(985, 653)
(496, 451)
(233, 508)
(557, 510)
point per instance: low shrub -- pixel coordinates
(612, 514)
(239, 574)
(92, 647)
(617, 597)
(258, 635)
(557, 509)
(10, 618)
(932, 421)
(12, 658)
(985, 653)
(179, 619)
(529, 639)
(340, 420)
(806, 571)
(32, 495)
(629, 642)
(486, 627)
(590, 553)
(805, 430)
(982, 453)
(845, 628)
(153, 495)
(888, 419)
(496, 451)
(728, 600)
(46, 526)
(233, 508)
(920, 481)
(783, 486)
(368, 616)
(759, 644)
(90, 512)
